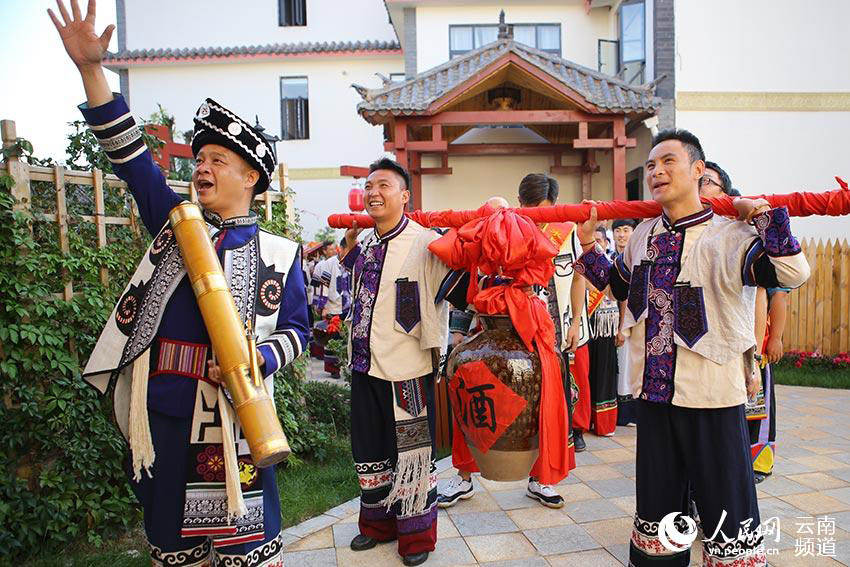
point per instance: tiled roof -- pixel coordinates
(142, 55)
(414, 96)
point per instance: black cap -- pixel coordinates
(214, 124)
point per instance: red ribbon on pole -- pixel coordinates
(828, 203)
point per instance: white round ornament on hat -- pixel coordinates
(261, 150)
(204, 111)
(234, 128)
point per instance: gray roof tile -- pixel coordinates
(141, 55)
(417, 94)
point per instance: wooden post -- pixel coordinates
(844, 293)
(835, 298)
(193, 193)
(288, 201)
(267, 199)
(618, 159)
(589, 164)
(99, 220)
(62, 221)
(415, 181)
(811, 295)
(400, 142)
(826, 280)
(19, 170)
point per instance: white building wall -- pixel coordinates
(768, 46)
(220, 23)
(338, 136)
(579, 31)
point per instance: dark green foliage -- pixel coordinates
(60, 457)
(330, 403)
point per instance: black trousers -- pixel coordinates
(374, 447)
(707, 450)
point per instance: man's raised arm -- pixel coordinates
(110, 119)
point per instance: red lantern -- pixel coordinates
(356, 202)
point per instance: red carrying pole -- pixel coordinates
(802, 204)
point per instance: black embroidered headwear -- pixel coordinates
(214, 124)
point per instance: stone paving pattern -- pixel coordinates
(501, 527)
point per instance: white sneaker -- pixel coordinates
(456, 489)
(544, 493)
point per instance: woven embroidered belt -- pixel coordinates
(181, 358)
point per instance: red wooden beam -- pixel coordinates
(169, 148)
(605, 143)
(618, 163)
(481, 117)
(436, 171)
(507, 149)
(428, 146)
(353, 171)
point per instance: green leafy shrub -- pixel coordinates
(329, 403)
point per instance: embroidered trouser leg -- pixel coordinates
(581, 369)
(163, 494)
(375, 452)
(763, 431)
(603, 384)
(706, 449)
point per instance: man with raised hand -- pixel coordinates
(204, 501)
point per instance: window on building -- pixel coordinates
(632, 41)
(294, 109)
(292, 12)
(546, 37)
(397, 77)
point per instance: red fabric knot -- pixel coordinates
(510, 245)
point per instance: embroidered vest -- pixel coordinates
(256, 273)
(714, 312)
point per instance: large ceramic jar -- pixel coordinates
(495, 395)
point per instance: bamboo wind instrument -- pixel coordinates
(235, 352)
(828, 203)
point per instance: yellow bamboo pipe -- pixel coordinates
(254, 406)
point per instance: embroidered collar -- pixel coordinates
(216, 220)
(687, 222)
(389, 235)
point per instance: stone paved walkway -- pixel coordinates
(502, 527)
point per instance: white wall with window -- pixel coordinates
(466, 37)
(220, 23)
(320, 87)
(766, 102)
(566, 30)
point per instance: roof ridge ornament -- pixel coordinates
(506, 31)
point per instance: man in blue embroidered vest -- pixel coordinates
(399, 323)
(155, 347)
(689, 278)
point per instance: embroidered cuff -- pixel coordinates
(115, 129)
(774, 228)
(595, 266)
(271, 365)
(350, 258)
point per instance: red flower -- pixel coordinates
(333, 325)
(798, 364)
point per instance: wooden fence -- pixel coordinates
(24, 174)
(819, 312)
